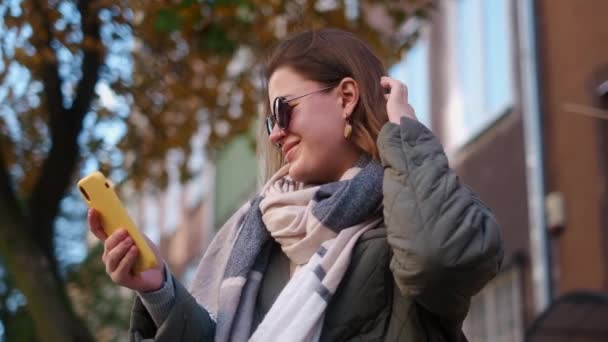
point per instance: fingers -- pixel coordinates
(114, 255)
(397, 104)
(390, 83)
(111, 242)
(386, 81)
(397, 88)
(114, 239)
(122, 273)
(94, 220)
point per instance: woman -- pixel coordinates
(362, 231)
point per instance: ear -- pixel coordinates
(348, 92)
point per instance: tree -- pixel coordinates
(77, 75)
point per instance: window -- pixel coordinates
(483, 64)
(496, 312)
(413, 70)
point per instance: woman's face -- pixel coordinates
(314, 143)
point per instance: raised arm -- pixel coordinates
(446, 243)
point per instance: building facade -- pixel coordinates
(516, 92)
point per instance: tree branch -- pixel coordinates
(32, 272)
(49, 69)
(10, 210)
(91, 63)
(8, 197)
(27, 236)
(65, 126)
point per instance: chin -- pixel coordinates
(296, 175)
(305, 175)
(299, 174)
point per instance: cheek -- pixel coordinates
(322, 144)
(320, 119)
(323, 136)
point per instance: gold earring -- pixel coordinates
(348, 129)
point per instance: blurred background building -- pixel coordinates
(517, 93)
(184, 218)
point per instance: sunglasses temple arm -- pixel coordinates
(314, 92)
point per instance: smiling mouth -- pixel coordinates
(289, 151)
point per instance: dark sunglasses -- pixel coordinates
(281, 111)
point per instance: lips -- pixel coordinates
(287, 148)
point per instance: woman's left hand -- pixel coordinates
(397, 105)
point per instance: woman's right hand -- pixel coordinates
(119, 255)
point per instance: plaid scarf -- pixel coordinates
(317, 228)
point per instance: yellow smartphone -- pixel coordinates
(99, 194)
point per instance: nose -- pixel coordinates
(277, 135)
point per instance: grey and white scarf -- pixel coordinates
(317, 228)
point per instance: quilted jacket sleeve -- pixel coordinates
(186, 321)
(446, 243)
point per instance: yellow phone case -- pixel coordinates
(100, 195)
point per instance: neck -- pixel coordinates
(349, 160)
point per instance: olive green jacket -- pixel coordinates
(411, 280)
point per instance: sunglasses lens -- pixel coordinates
(269, 124)
(284, 113)
(281, 114)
